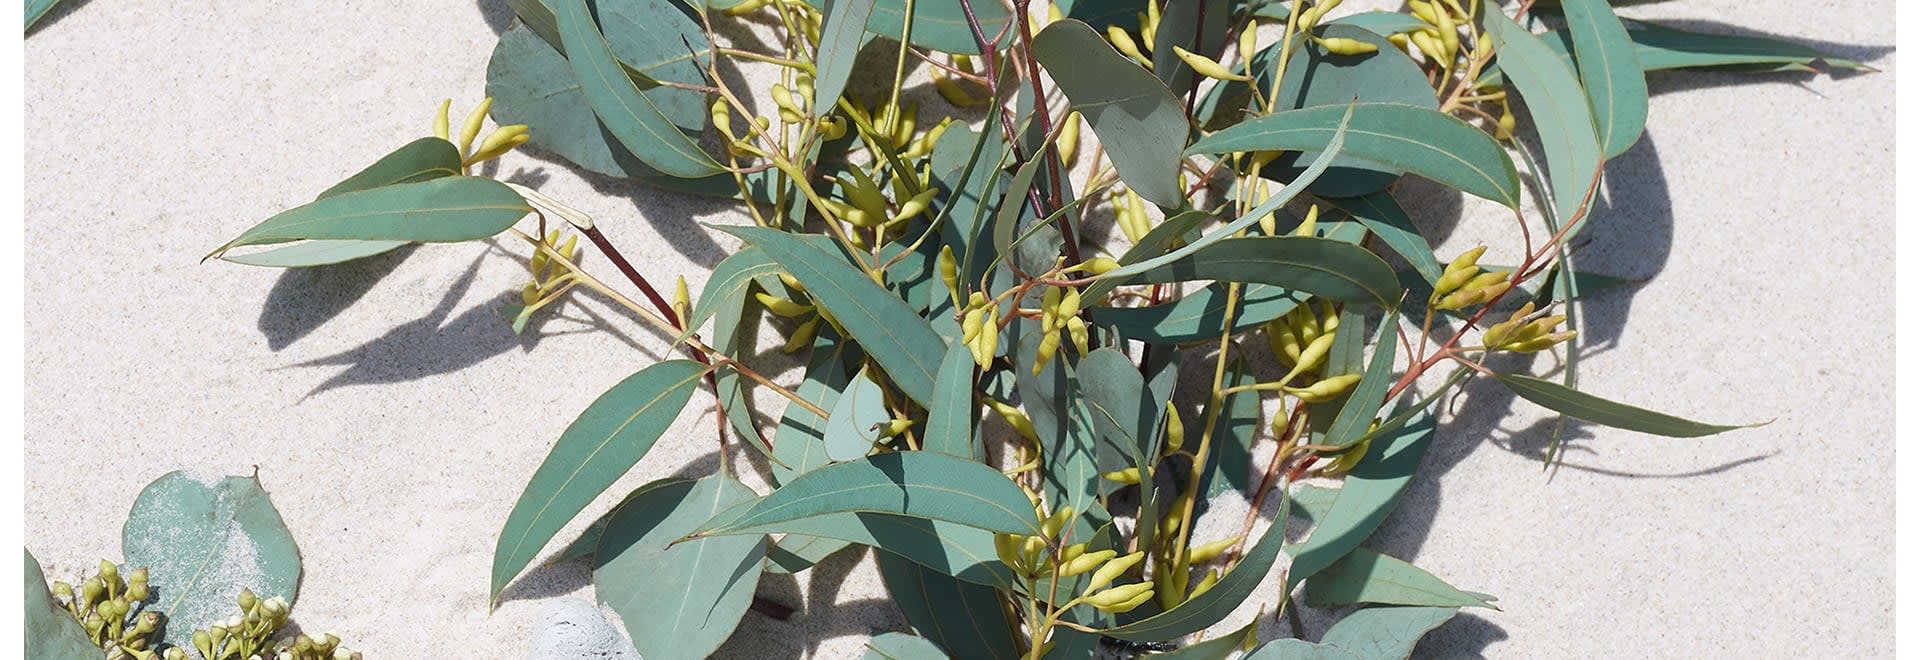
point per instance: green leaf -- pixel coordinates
(314, 253)
(1324, 267)
(1403, 137)
(965, 620)
(794, 553)
(1371, 490)
(1365, 576)
(1574, 403)
(635, 119)
(678, 599)
(1380, 214)
(728, 284)
(1218, 648)
(445, 210)
(1382, 23)
(1231, 462)
(1312, 502)
(901, 646)
(202, 541)
(1206, 609)
(1007, 218)
(1261, 210)
(1316, 77)
(1197, 316)
(606, 440)
(1374, 633)
(1124, 415)
(941, 26)
(36, 10)
(1371, 392)
(1559, 110)
(1141, 123)
(50, 630)
(844, 31)
(946, 548)
(734, 337)
(1660, 48)
(801, 439)
(1177, 227)
(850, 431)
(424, 159)
(919, 484)
(1183, 24)
(950, 417)
(1616, 88)
(890, 332)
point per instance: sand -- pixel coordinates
(393, 415)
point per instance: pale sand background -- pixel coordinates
(394, 416)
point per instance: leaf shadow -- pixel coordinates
(303, 299)
(54, 14)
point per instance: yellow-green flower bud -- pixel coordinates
(1114, 568)
(1016, 419)
(1052, 525)
(1099, 265)
(1208, 551)
(1345, 46)
(109, 573)
(91, 591)
(802, 335)
(440, 119)
(914, 206)
(471, 129)
(1176, 429)
(1077, 333)
(1123, 42)
(1308, 225)
(1129, 476)
(1310, 357)
(1249, 40)
(950, 273)
(1205, 584)
(782, 306)
(1069, 140)
(1004, 546)
(1206, 66)
(1325, 390)
(951, 90)
(1122, 598)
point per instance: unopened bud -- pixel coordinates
(1206, 66)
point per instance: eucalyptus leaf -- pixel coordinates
(1574, 403)
(1199, 26)
(1218, 648)
(1404, 137)
(1324, 267)
(941, 26)
(965, 620)
(1609, 72)
(1374, 633)
(890, 332)
(728, 284)
(204, 540)
(850, 426)
(1382, 23)
(950, 418)
(901, 646)
(918, 484)
(841, 36)
(1316, 77)
(1141, 124)
(606, 440)
(634, 119)
(800, 441)
(51, 632)
(36, 10)
(1559, 110)
(424, 159)
(1371, 491)
(1365, 576)
(444, 210)
(1198, 316)
(1199, 612)
(946, 548)
(1659, 47)
(1367, 397)
(1384, 217)
(677, 599)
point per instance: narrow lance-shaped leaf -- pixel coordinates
(950, 416)
(892, 333)
(1574, 403)
(1273, 203)
(1374, 633)
(1616, 88)
(1371, 490)
(840, 39)
(901, 646)
(678, 600)
(910, 483)
(1206, 609)
(1141, 123)
(946, 548)
(1559, 110)
(202, 541)
(1329, 268)
(634, 119)
(445, 210)
(1367, 397)
(1219, 648)
(966, 620)
(1365, 576)
(424, 159)
(1408, 138)
(1384, 217)
(598, 448)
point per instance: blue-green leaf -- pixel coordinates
(51, 632)
(633, 118)
(950, 416)
(1610, 73)
(841, 36)
(606, 440)
(1371, 490)
(1218, 648)
(444, 210)
(1197, 316)
(901, 646)
(1324, 267)
(1374, 633)
(1380, 214)
(947, 548)
(1382, 23)
(1367, 397)
(1141, 123)
(202, 541)
(918, 484)
(1406, 138)
(963, 619)
(678, 600)
(850, 426)
(1206, 609)
(1559, 110)
(1365, 576)
(890, 331)
(1574, 403)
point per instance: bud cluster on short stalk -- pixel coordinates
(980, 328)
(549, 278)
(1059, 311)
(1526, 332)
(112, 608)
(497, 143)
(1463, 284)
(1439, 38)
(1301, 340)
(1130, 212)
